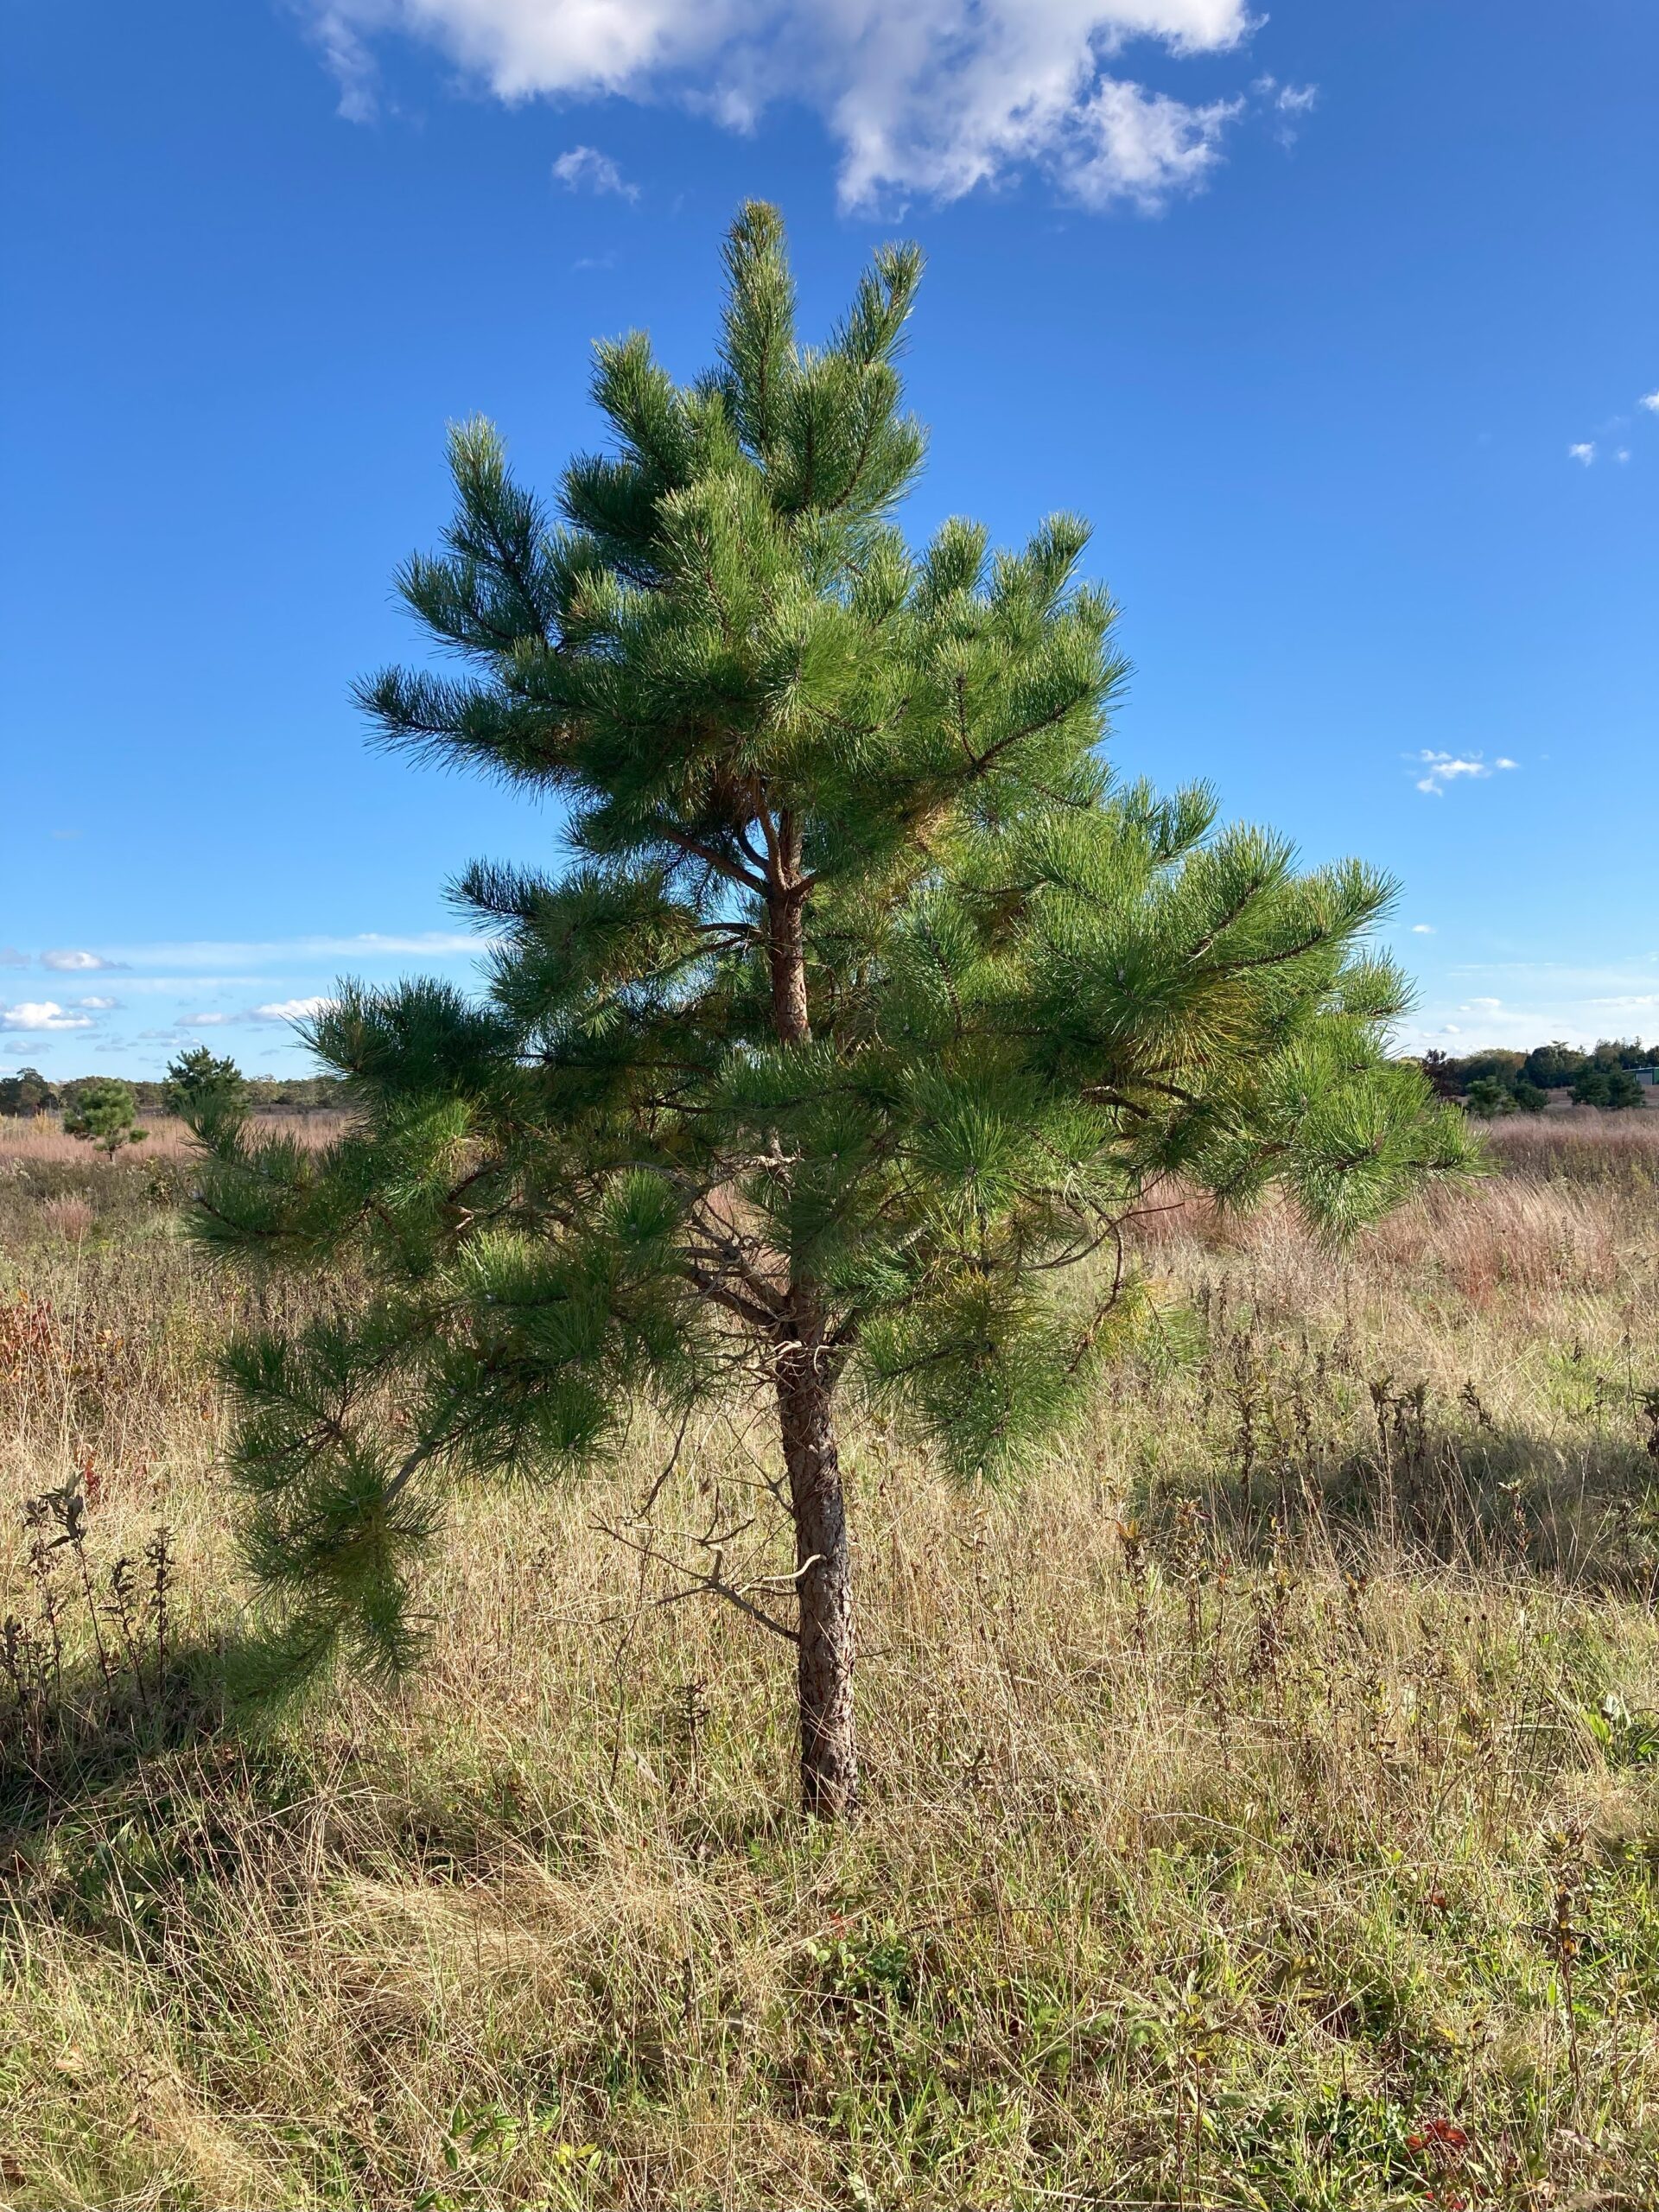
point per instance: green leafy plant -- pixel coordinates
(105, 1112)
(867, 1012)
(1624, 1738)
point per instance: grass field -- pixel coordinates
(1263, 1800)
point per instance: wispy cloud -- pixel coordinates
(11, 958)
(1289, 99)
(290, 1009)
(584, 169)
(1650, 401)
(1584, 453)
(43, 1014)
(99, 1006)
(934, 96)
(1284, 105)
(65, 962)
(1518, 1003)
(206, 954)
(1423, 929)
(1441, 770)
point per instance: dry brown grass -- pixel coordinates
(41, 1141)
(1232, 1783)
(1582, 1145)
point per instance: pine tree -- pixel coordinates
(198, 1076)
(103, 1112)
(865, 1012)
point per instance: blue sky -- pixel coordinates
(1337, 322)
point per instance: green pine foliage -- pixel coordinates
(105, 1113)
(1487, 1098)
(200, 1084)
(863, 1011)
(1614, 1089)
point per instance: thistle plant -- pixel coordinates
(861, 1010)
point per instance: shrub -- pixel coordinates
(105, 1113)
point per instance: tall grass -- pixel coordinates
(1263, 1807)
(42, 1140)
(1582, 1145)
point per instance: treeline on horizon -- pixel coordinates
(28, 1092)
(1495, 1081)
(1500, 1081)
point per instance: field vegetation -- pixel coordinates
(1261, 1803)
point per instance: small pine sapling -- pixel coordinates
(105, 1112)
(866, 1013)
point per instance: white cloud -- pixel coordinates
(1585, 453)
(45, 1014)
(1441, 769)
(205, 1022)
(67, 962)
(584, 169)
(1288, 103)
(98, 1006)
(1650, 401)
(1623, 455)
(367, 945)
(290, 1009)
(1541, 999)
(1423, 929)
(934, 96)
(10, 956)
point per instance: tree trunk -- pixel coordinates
(823, 1564)
(787, 930)
(829, 1743)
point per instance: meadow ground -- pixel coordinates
(1263, 1800)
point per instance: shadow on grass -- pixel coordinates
(85, 1731)
(1293, 1443)
(1494, 1502)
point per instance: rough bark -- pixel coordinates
(805, 1383)
(786, 927)
(823, 1561)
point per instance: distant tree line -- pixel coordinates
(1488, 1083)
(1497, 1082)
(28, 1092)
